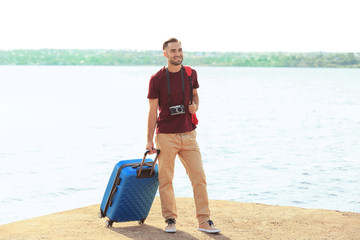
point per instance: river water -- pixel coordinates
(280, 136)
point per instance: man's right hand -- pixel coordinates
(150, 147)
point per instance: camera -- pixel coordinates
(176, 110)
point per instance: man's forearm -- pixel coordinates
(151, 125)
(196, 100)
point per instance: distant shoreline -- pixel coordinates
(108, 57)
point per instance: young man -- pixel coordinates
(170, 114)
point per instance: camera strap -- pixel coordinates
(169, 89)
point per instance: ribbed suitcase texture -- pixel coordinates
(129, 197)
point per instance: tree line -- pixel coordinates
(151, 57)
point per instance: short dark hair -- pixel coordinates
(165, 44)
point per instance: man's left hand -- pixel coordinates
(192, 108)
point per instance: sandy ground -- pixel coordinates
(236, 220)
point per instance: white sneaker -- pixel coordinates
(171, 227)
(208, 227)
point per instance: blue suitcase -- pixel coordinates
(130, 191)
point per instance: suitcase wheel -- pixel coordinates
(108, 223)
(142, 221)
(101, 215)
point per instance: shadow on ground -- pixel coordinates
(150, 232)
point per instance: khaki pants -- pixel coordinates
(185, 145)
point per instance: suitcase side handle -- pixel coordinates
(143, 161)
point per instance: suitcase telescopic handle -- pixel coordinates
(143, 161)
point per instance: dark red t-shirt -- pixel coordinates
(158, 88)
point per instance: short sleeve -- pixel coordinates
(154, 91)
(195, 79)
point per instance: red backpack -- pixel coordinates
(188, 71)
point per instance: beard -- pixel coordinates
(176, 62)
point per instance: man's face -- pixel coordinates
(174, 53)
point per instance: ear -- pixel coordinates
(165, 55)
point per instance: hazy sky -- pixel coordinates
(201, 25)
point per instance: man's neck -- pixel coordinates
(174, 68)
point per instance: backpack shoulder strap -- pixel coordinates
(188, 70)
